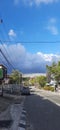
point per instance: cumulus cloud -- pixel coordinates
(12, 33)
(27, 62)
(53, 30)
(52, 20)
(44, 1)
(52, 26)
(16, 2)
(32, 2)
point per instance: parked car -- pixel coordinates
(25, 91)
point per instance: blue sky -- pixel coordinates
(31, 21)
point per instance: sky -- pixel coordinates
(30, 34)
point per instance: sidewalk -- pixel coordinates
(10, 118)
(50, 92)
(15, 112)
(46, 91)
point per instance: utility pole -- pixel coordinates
(3, 69)
(1, 21)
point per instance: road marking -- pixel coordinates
(57, 104)
(23, 122)
(20, 128)
(23, 115)
(45, 98)
(24, 112)
(22, 125)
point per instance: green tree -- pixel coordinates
(54, 70)
(15, 77)
(41, 80)
(32, 81)
(26, 81)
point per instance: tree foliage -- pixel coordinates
(38, 81)
(41, 80)
(32, 81)
(15, 77)
(54, 70)
(26, 81)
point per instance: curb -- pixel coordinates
(22, 123)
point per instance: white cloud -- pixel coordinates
(52, 20)
(32, 2)
(11, 33)
(16, 2)
(44, 1)
(52, 26)
(53, 30)
(28, 62)
(46, 57)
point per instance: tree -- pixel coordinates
(54, 70)
(15, 77)
(41, 80)
(26, 81)
(32, 81)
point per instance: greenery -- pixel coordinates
(26, 81)
(38, 81)
(15, 77)
(49, 88)
(54, 70)
(32, 81)
(41, 80)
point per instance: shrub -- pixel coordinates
(41, 80)
(49, 88)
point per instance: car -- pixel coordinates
(25, 91)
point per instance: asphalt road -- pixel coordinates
(42, 111)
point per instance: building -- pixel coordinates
(33, 75)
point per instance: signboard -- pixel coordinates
(1, 73)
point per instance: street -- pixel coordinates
(43, 111)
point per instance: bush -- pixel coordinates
(49, 88)
(41, 80)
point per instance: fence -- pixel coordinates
(10, 88)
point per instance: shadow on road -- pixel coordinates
(42, 113)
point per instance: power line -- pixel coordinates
(1, 21)
(6, 52)
(6, 59)
(4, 63)
(31, 41)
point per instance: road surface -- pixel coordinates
(43, 110)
